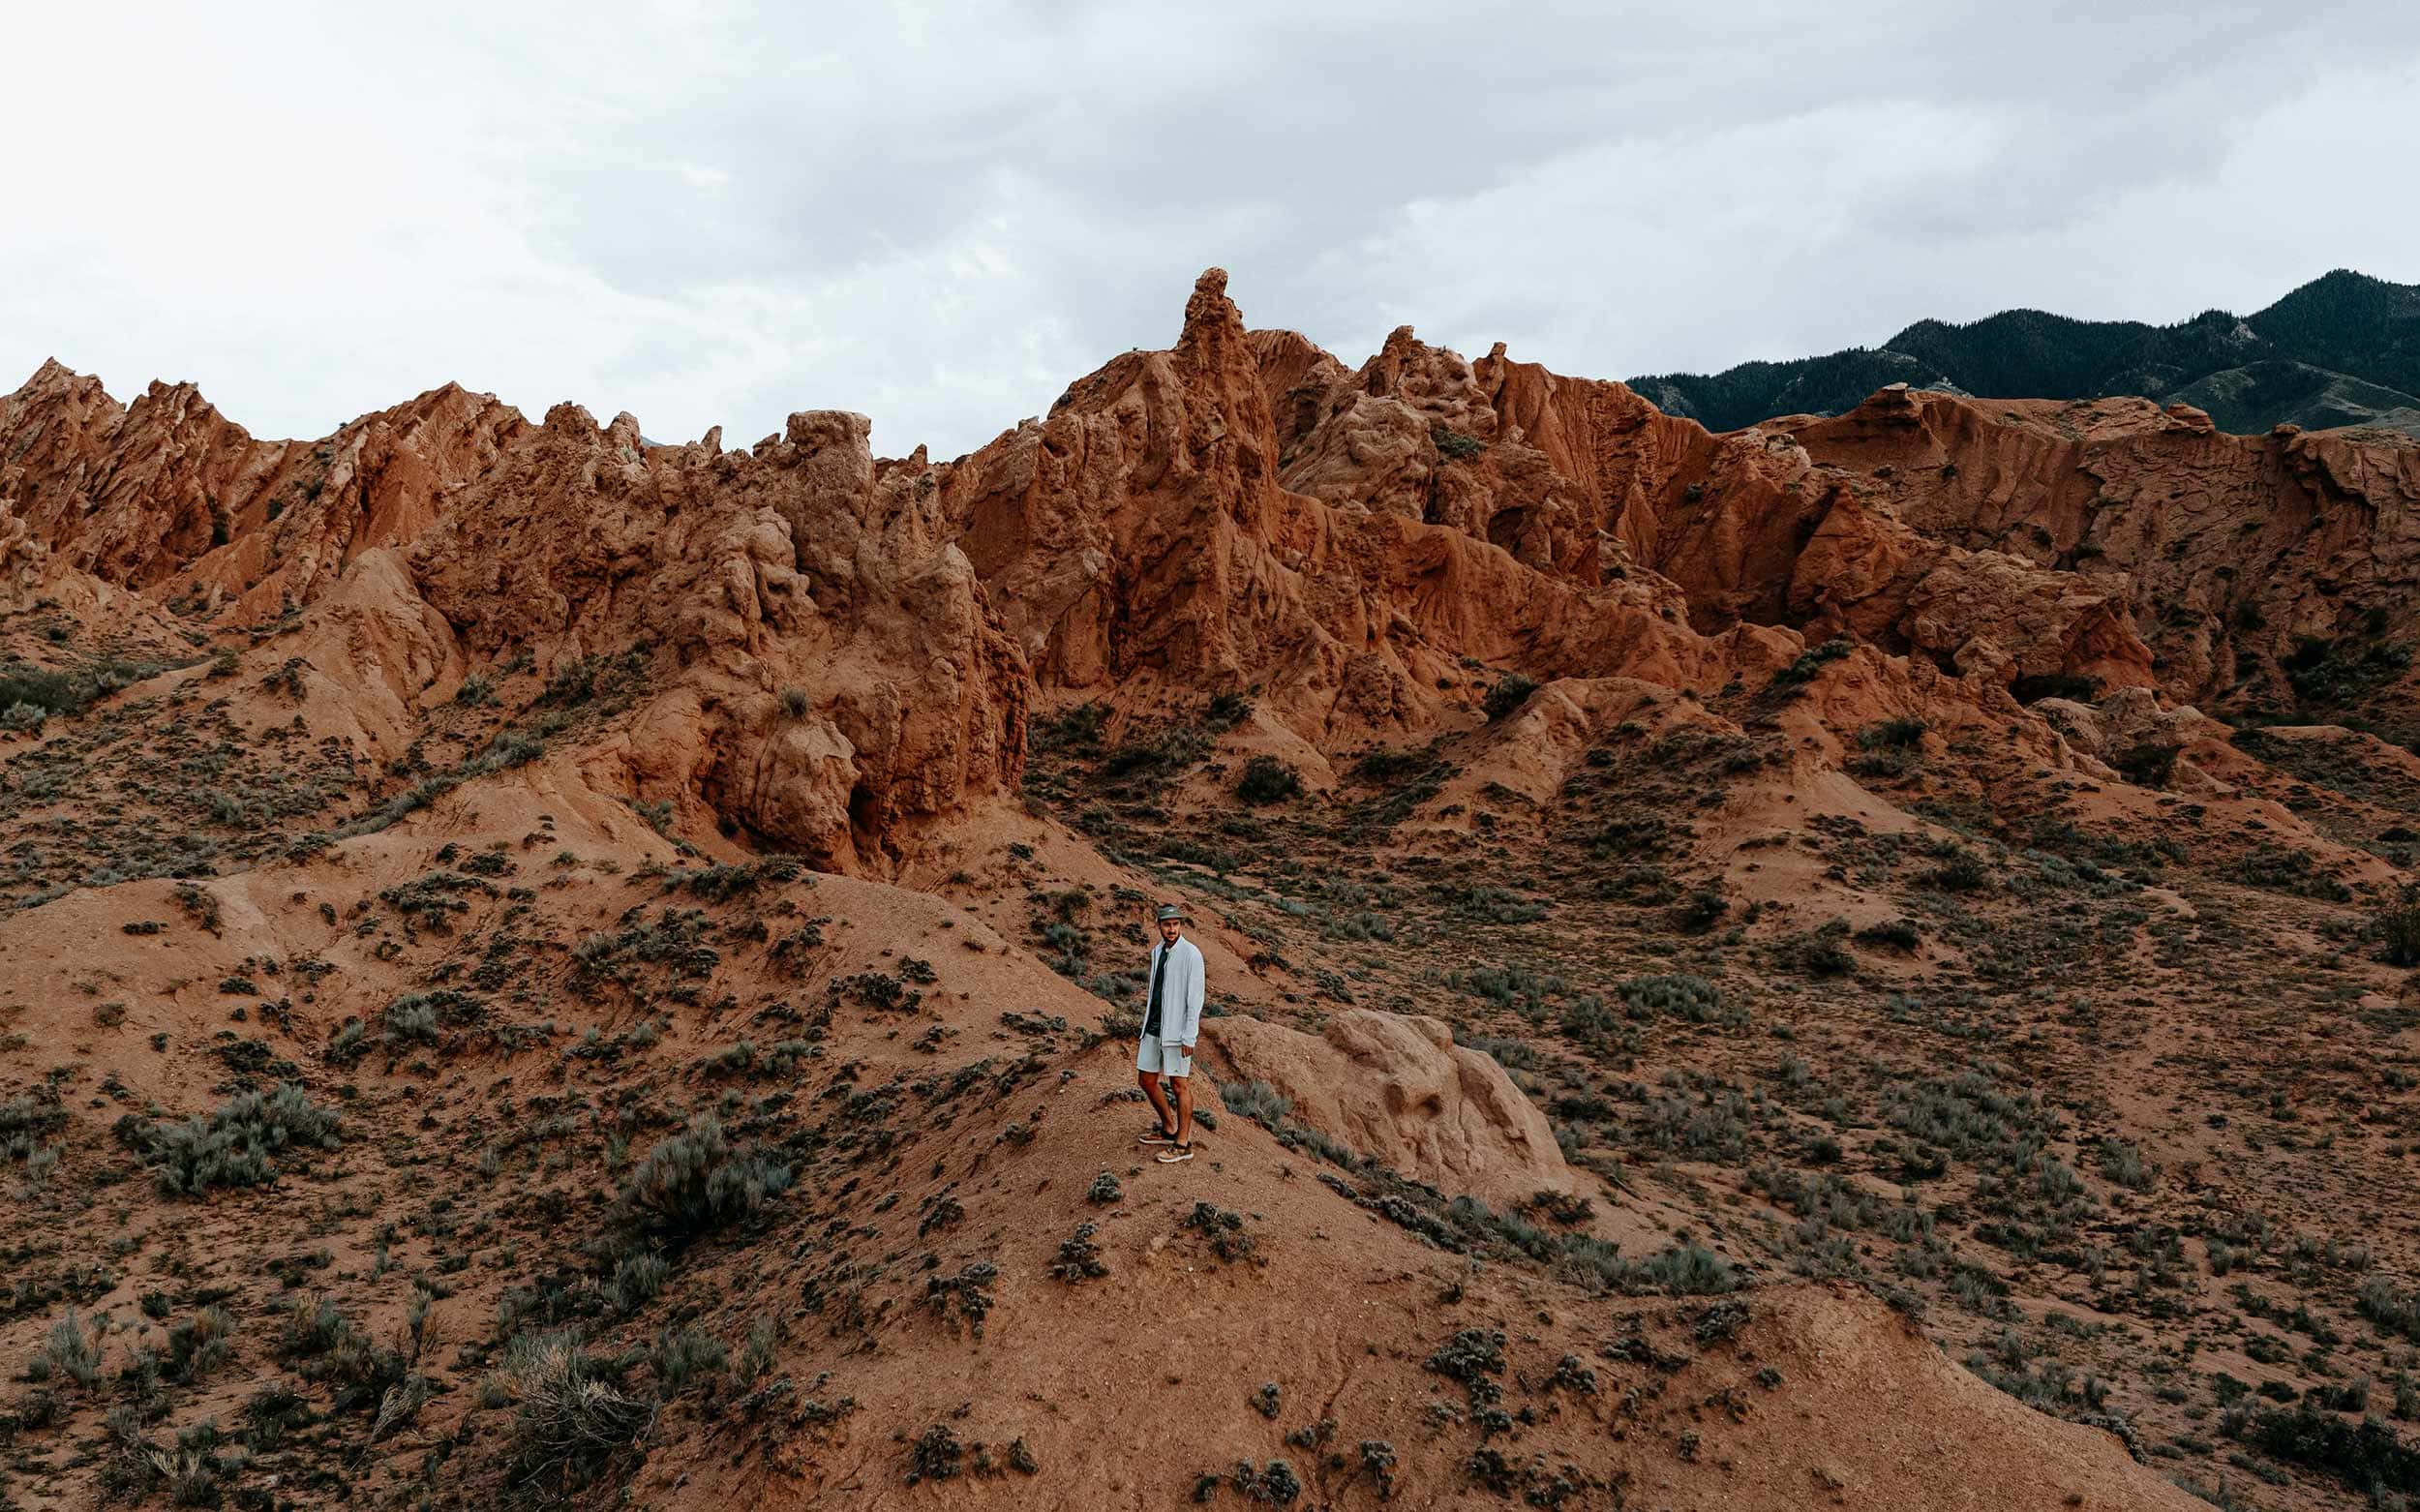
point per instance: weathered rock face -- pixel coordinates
(1397, 1087)
(167, 494)
(2131, 726)
(1117, 530)
(1752, 529)
(2236, 548)
(1370, 548)
(1576, 531)
(1151, 534)
(838, 677)
(1416, 420)
(2013, 538)
(1865, 572)
(829, 676)
(22, 556)
(128, 492)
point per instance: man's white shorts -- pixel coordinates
(1168, 1057)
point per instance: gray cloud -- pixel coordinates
(717, 213)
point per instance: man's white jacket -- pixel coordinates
(1180, 993)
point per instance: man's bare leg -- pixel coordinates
(1150, 1081)
(1184, 1109)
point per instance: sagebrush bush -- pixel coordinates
(1076, 728)
(1225, 1230)
(24, 1119)
(2387, 1305)
(571, 1419)
(1895, 934)
(1171, 750)
(1510, 692)
(935, 1455)
(1079, 1258)
(637, 1278)
(1276, 1484)
(2397, 929)
(1690, 1270)
(1378, 1457)
(1703, 909)
(1475, 1357)
(1256, 1101)
(1809, 662)
(2123, 1163)
(1903, 733)
(1268, 780)
(1892, 748)
(1455, 445)
(324, 1345)
(1267, 1106)
(200, 1345)
(235, 1147)
(70, 690)
(1960, 871)
(693, 1183)
(410, 1020)
(1819, 952)
(1693, 998)
(70, 1351)
(683, 1354)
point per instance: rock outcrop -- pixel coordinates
(2240, 549)
(1397, 1088)
(837, 677)
(852, 643)
(1149, 535)
(168, 496)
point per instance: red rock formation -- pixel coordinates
(1371, 549)
(836, 677)
(1866, 573)
(2013, 538)
(2242, 544)
(1148, 531)
(167, 494)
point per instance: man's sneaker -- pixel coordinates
(1158, 1135)
(1176, 1153)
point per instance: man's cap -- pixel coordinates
(1169, 910)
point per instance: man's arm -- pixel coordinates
(1193, 998)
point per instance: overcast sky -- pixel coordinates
(712, 213)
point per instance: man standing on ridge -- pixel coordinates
(1170, 1021)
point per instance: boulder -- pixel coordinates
(1396, 1087)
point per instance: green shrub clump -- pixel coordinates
(1510, 692)
(1693, 998)
(70, 690)
(1810, 661)
(1455, 445)
(1268, 780)
(2397, 929)
(694, 1182)
(237, 1145)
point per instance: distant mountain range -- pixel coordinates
(2343, 349)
